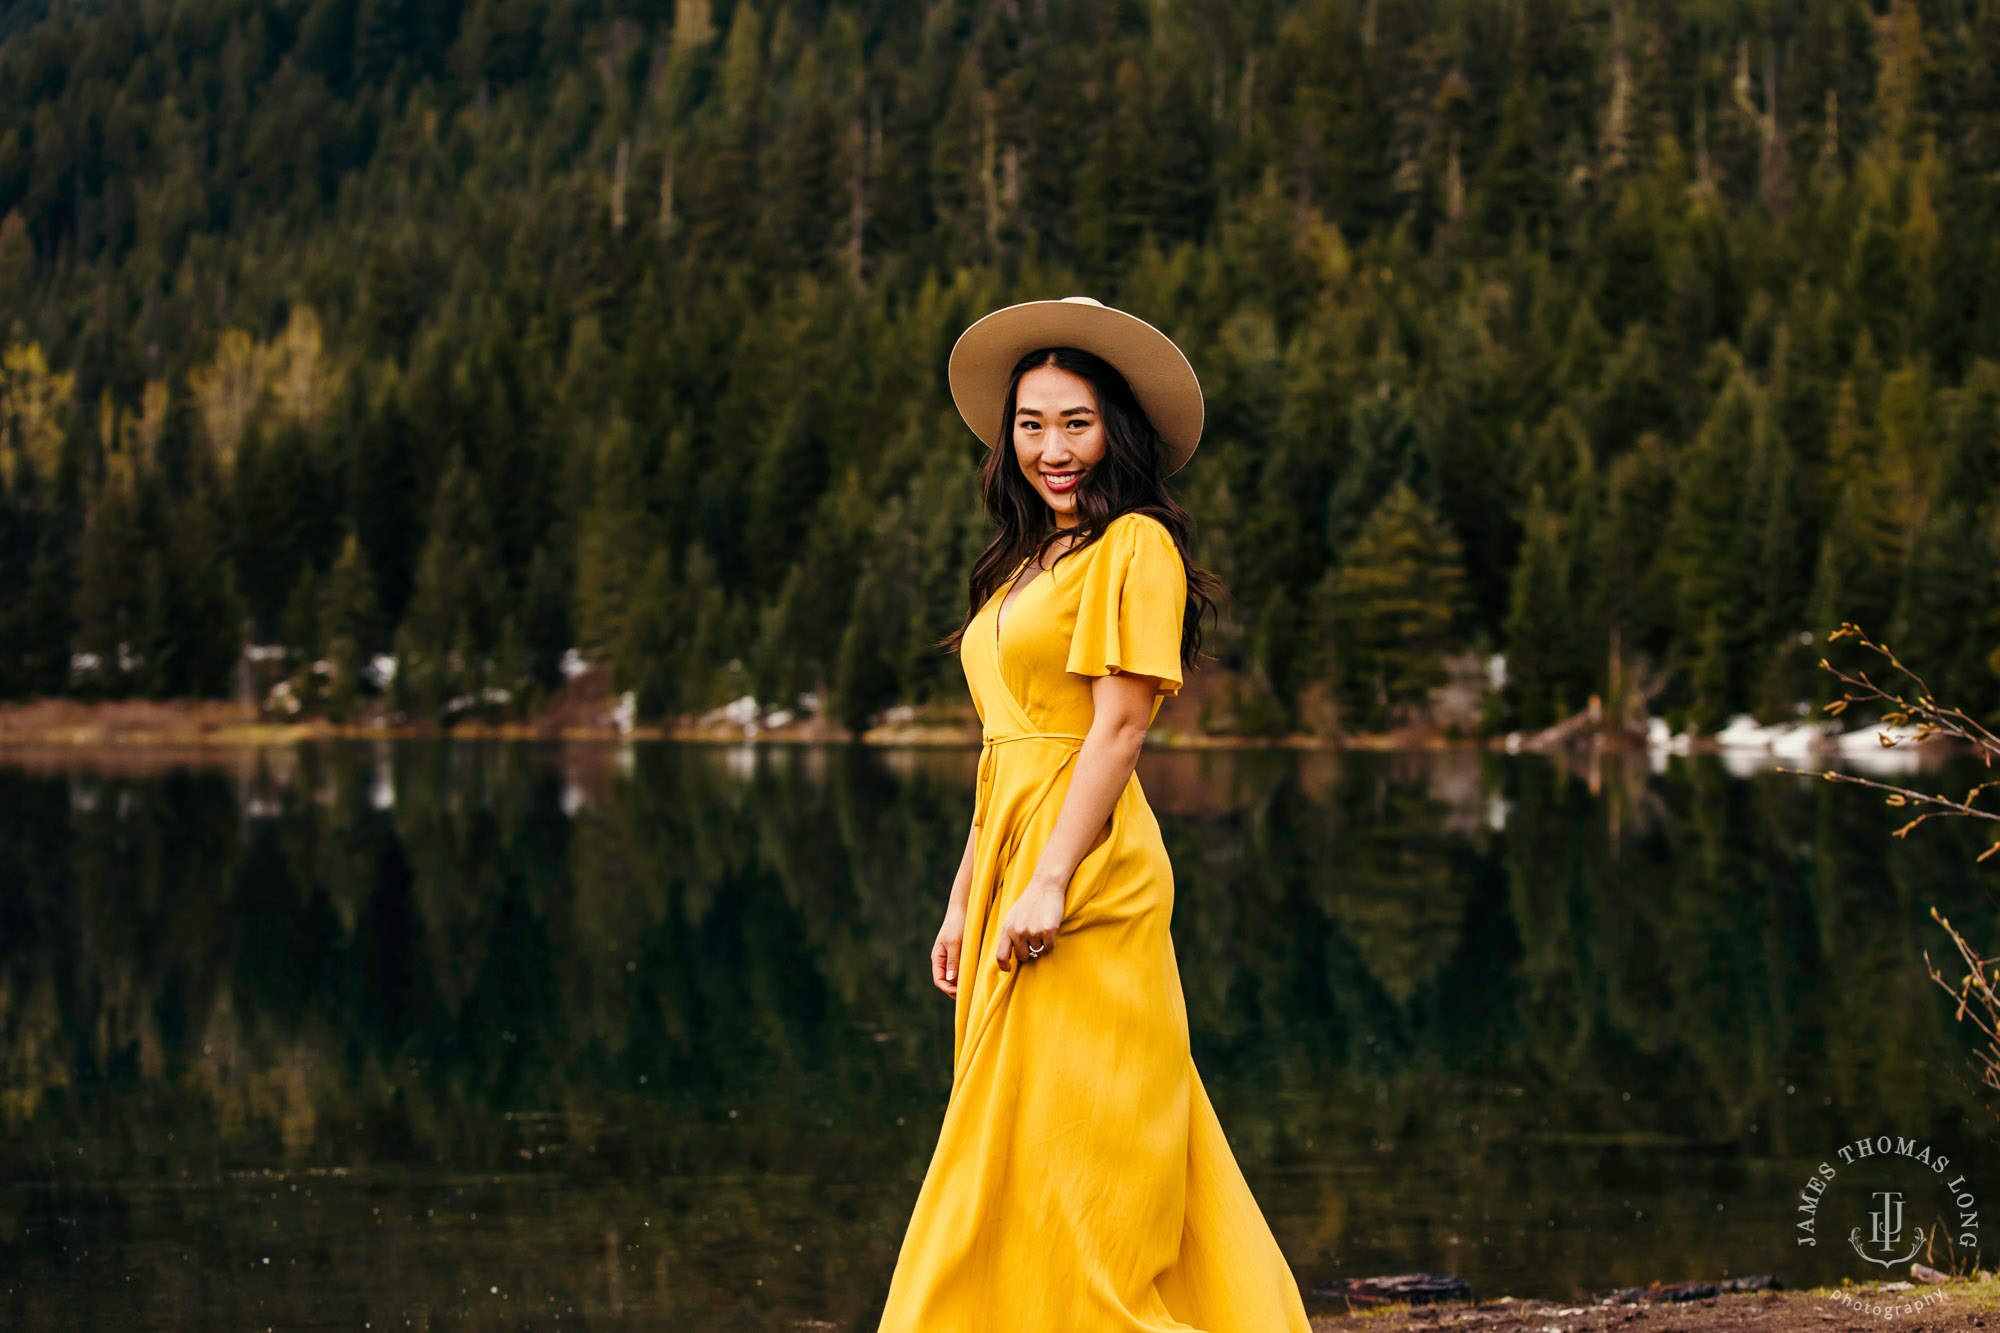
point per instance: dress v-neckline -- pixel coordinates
(1015, 585)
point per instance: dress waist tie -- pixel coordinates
(988, 742)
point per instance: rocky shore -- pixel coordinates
(1960, 1304)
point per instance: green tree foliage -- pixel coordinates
(612, 548)
(1541, 656)
(654, 641)
(446, 639)
(1391, 610)
(624, 331)
(349, 621)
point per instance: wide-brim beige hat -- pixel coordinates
(1161, 378)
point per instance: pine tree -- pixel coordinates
(1710, 676)
(545, 628)
(611, 547)
(652, 654)
(17, 272)
(286, 525)
(1382, 453)
(450, 625)
(1540, 656)
(37, 551)
(33, 430)
(349, 624)
(706, 606)
(1711, 545)
(1516, 192)
(864, 677)
(117, 585)
(299, 632)
(1393, 609)
(871, 670)
(507, 682)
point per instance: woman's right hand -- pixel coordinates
(944, 953)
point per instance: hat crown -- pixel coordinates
(983, 358)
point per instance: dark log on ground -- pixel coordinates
(1690, 1291)
(1402, 1289)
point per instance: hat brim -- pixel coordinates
(1161, 378)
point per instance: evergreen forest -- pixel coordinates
(1639, 344)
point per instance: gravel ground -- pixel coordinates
(1963, 1305)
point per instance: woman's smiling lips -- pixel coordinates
(1061, 482)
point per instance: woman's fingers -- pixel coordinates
(1025, 946)
(944, 966)
(1013, 947)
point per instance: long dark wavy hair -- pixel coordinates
(1126, 480)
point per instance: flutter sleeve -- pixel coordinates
(1134, 597)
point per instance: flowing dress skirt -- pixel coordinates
(1081, 1180)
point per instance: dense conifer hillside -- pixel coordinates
(1637, 341)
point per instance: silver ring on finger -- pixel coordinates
(1037, 950)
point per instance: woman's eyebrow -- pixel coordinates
(1072, 411)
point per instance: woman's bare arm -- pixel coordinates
(1124, 706)
(961, 885)
(944, 951)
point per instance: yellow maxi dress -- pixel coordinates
(1081, 1181)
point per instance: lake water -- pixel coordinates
(508, 1036)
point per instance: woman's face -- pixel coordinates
(1058, 436)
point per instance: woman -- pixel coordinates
(1081, 1181)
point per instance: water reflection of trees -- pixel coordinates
(421, 960)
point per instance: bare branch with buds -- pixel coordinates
(1977, 992)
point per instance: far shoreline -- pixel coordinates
(70, 724)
